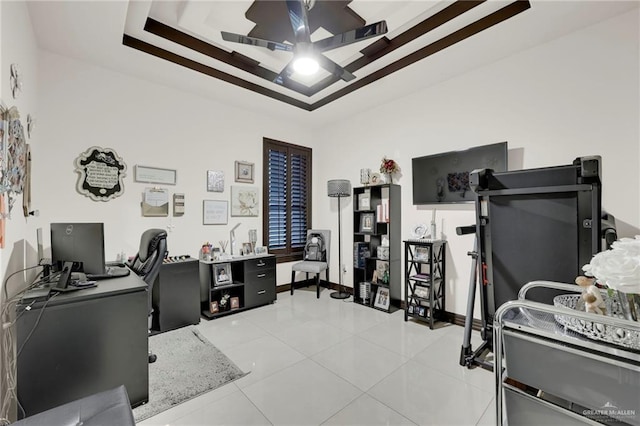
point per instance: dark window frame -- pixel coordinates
(289, 253)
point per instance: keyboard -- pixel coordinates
(110, 272)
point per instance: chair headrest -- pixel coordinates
(149, 242)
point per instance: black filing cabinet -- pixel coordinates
(176, 295)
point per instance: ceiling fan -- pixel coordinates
(307, 55)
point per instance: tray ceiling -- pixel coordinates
(188, 33)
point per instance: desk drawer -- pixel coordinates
(260, 288)
(259, 264)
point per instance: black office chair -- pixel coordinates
(153, 249)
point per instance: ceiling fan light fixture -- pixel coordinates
(305, 65)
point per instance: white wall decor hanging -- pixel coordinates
(16, 81)
(101, 174)
(12, 155)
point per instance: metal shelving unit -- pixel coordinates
(425, 275)
(548, 374)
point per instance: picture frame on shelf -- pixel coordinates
(382, 270)
(213, 307)
(410, 308)
(235, 302)
(422, 311)
(421, 254)
(244, 172)
(364, 201)
(382, 298)
(246, 249)
(367, 223)
(222, 274)
(260, 250)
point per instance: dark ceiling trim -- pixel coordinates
(145, 47)
(482, 24)
(234, 58)
(375, 52)
(384, 46)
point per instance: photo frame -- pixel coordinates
(213, 307)
(411, 308)
(246, 248)
(147, 174)
(244, 172)
(422, 311)
(222, 274)
(215, 181)
(260, 250)
(382, 298)
(421, 254)
(367, 222)
(244, 201)
(364, 201)
(215, 212)
(235, 302)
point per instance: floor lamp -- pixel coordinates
(339, 188)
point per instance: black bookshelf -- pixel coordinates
(377, 217)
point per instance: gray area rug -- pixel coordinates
(188, 365)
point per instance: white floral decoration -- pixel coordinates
(618, 268)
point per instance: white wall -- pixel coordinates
(575, 96)
(150, 125)
(18, 46)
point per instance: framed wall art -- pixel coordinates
(215, 181)
(101, 173)
(244, 201)
(214, 212)
(244, 172)
(146, 174)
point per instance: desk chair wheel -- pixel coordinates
(152, 358)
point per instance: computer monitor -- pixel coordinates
(80, 243)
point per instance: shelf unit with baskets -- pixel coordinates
(377, 246)
(424, 280)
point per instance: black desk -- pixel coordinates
(86, 342)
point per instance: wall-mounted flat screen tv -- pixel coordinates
(444, 178)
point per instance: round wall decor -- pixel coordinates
(101, 174)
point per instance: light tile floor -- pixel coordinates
(332, 362)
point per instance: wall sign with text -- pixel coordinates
(101, 174)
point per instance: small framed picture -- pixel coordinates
(213, 308)
(261, 250)
(235, 302)
(421, 254)
(222, 274)
(422, 311)
(215, 181)
(382, 298)
(410, 308)
(364, 201)
(244, 172)
(246, 248)
(367, 221)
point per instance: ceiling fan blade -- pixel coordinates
(359, 34)
(271, 45)
(284, 74)
(299, 21)
(334, 68)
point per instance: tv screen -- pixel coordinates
(80, 243)
(444, 178)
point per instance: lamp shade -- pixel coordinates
(339, 188)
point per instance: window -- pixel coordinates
(287, 198)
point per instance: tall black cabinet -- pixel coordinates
(377, 276)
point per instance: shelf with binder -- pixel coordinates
(377, 226)
(424, 280)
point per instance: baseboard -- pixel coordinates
(450, 317)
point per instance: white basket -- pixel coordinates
(596, 330)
